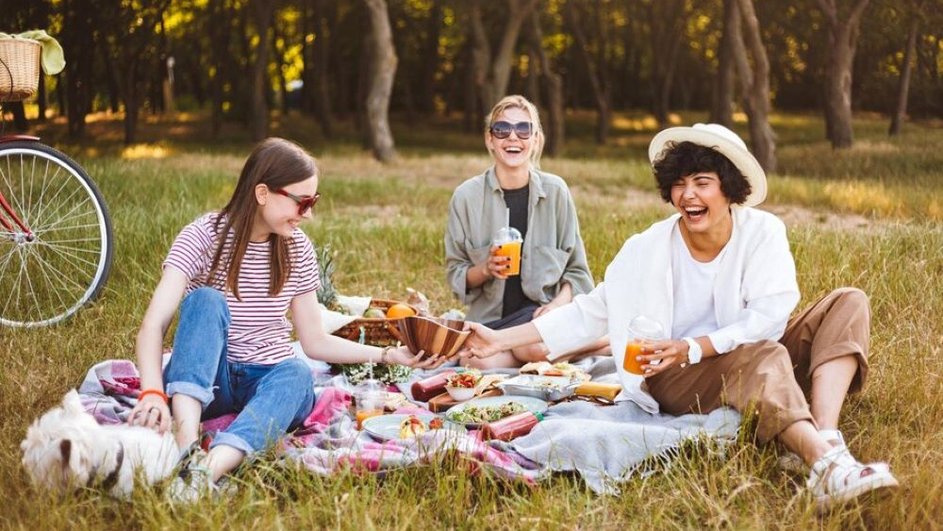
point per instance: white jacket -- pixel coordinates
(754, 293)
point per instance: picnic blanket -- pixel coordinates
(605, 445)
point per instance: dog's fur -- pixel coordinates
(67, 449)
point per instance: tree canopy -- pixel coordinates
(237, 59)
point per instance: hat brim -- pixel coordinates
(740, 157)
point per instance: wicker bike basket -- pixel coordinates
(376, 330)
(19, 68)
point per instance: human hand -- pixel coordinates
(482, 343)
(497, 265)
(402, 356)
(151, 412)
(667, 353)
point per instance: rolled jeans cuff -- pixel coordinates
(234, 441)
(205, 396)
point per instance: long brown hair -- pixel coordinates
(276, 163)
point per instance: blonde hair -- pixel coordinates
(517, 101)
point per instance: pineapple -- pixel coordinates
(327, 294)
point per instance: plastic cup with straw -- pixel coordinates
(510, 242)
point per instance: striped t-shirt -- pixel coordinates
(260, 331)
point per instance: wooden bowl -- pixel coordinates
(437, 337)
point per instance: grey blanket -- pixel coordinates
(607, 445)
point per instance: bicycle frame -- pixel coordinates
(8, 224)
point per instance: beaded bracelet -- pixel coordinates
(157, 392)
(386, 350)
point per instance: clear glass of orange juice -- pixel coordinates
(641, 330)
(510, 241)
(368, 401)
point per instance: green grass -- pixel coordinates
(386, 223)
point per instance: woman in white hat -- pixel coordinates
(719, 279)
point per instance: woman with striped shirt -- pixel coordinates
(246, 277)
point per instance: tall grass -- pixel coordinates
(386, 223)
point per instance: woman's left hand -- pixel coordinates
(402, 356)
(671, 352)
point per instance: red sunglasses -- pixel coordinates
(305, 202)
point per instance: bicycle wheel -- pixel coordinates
(49, 275)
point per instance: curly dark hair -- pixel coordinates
(680, 159)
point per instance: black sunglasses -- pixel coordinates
(305, 202)
(503, 129)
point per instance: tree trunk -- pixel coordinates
(553, 89)
(722, 102)
(492, 74)
(41, 99)
(78, 69)
(480, 58)
(595, 68)
(316, 73)
(382, 72)
(839, 62)
(219, 34)
(262, 11)
(430, 62)
(666, 23)
(755, 84)
(130, 97)
(278, 54)
(903, 87)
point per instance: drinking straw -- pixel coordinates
(507, 217)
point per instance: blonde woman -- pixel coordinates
(514, 191)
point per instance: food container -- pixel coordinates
(427, 388)
(461, 394)
(511, 427)
(549, 388)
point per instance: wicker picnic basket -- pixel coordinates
(19, 68)
(376, 330)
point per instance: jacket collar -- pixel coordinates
(535, 182)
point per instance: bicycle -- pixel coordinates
(55, 230)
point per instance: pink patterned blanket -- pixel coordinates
(328, 441)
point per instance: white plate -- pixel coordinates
(386, 427)
(535, 405)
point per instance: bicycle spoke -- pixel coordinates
(47, 278)
(61, 277)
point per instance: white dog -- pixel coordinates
(66, 449)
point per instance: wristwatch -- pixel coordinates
(695, 352)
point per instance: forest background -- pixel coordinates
(863, 209)
(340, 60)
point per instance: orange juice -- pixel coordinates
(364, 414)
(511, 249)
(632, 349)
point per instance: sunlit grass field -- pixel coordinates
(868, 217)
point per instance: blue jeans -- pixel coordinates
(269, 399)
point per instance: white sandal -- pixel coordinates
(837, 478)
(791, 463)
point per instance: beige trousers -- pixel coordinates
(773, 377)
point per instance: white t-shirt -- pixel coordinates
(693, 290)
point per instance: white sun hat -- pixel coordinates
(722, 140)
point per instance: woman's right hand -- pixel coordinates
(482, 343)
(151, 412)
(497, 266)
